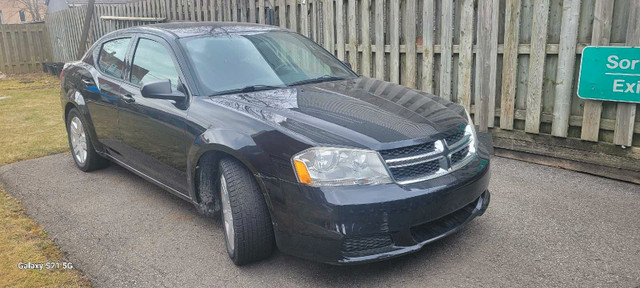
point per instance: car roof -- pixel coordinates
(191, 29)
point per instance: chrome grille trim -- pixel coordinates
(462, 141)
(442, 152)
(412, 158)
(414, 163)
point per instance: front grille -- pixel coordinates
(459, 156)
(354, 246)
(428, 160)
(407, 151)
(419, 170)
(455, 137)
(443, 225)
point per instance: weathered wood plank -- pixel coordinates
(410, 39)
(192, 9)
(484, 64)
(329, 26)
(604, 154)
(293, 15)
(566, 63)
(340, 27)
(466, 54)
(315, 35)
(365, 14)
(626, 112)
(252, 11)
(33, 59)
(536, 65)
(446, 43)
(552, 160)
(262, 13)
(428, 34)
(304, 18)
(353, 35)
(493, 57)
(510, 63)
(379, 26)
(394, 37)
(3, 67)
(282, 13)
(4, 32)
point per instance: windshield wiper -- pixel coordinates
(323, 78)
(250, 88)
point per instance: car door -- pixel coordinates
(102, 92)
(153, 130)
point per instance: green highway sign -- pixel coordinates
(610, 74)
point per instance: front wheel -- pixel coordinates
(247, 224)
(84, 155)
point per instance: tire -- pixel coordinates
(249, 232)
(83, 153)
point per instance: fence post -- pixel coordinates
(466, 54)
(510, 63)
(485, 63)
(566, 63)
(394, 35)
(379, 26)
(410, 43)
(366, 41)
(428, 32)
(536, 66)
(446, 48)
(626, 112)
(602, 19)
(82, 45)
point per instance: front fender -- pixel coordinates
(230, 142)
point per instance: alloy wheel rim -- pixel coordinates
(227, 214)
(78, 140)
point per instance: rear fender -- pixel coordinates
(75, 99)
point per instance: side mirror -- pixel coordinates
(348, 64)
(161, 89)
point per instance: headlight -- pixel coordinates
(338, 166)
(471, 130)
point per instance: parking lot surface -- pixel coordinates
(545, 227)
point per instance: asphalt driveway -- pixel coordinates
(545, 227)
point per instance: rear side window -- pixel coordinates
(152, 62)
(111, 59)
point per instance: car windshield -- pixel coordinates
(246, 62)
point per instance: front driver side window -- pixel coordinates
(152, 62)
(111, 59)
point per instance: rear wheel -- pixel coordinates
(247, 224)
(82, 151)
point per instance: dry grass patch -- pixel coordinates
(23, 240)
(30, 117)
(31, 126)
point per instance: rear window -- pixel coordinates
(111, 59)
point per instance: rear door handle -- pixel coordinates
(128, 98)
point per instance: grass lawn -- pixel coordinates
(30, 126)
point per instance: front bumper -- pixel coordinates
(358, 224)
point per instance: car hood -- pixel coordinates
(360, 112)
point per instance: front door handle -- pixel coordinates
(88, 82)
(128, 98)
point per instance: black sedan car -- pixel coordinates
(267, 129)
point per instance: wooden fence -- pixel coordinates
(513, 63)
(23, 47)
